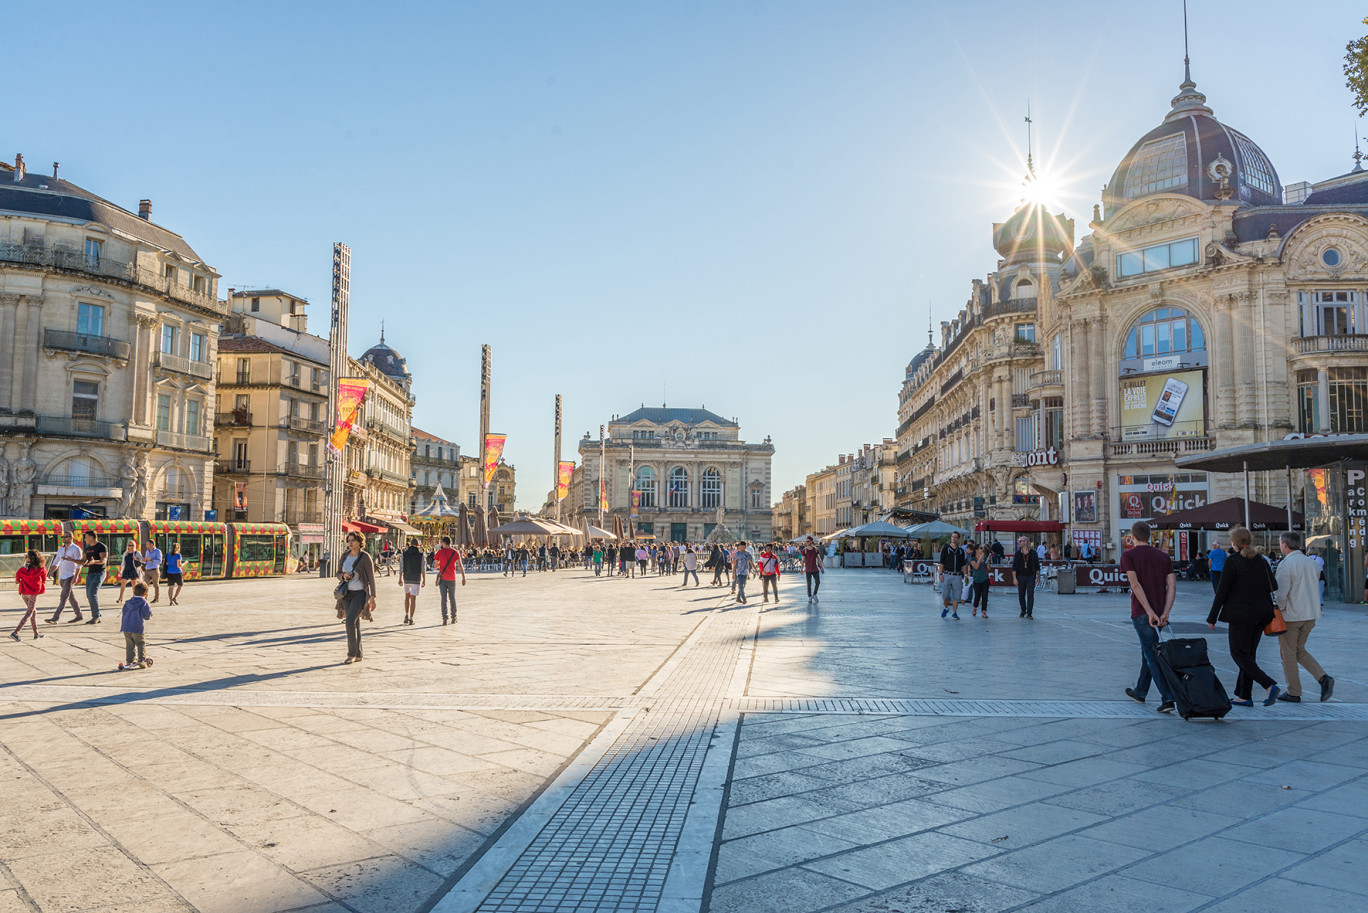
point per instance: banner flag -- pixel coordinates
(351, 392)
(603, 495)
(636, 503)
(563, 473)
(493, 449)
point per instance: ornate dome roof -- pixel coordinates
(1193, 153)
(1032, 234)
(920, 359)
(386, 360)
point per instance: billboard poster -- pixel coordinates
(1166, 405)
(563, 472)
(493, 450)
(351, 393)
(1085, 507)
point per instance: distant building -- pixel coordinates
(435, 461)
(108, 326)
(684, 465)
(378, 481)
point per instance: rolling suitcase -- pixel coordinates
(1190, 677)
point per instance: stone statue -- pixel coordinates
(134, 488)
(138, 503)
(720, 513)
(4, 480)
(21, 492)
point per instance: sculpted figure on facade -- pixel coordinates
(21, 491)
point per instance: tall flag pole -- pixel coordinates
(336, 464)
(603, 479)
(556, 476)
(486, 369)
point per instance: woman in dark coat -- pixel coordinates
(357, 573)
(1244, 601)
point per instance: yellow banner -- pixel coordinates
(493, 450)
(563, 473)
(603, 495)
(350, 394)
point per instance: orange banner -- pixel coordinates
(351, 392)
(493, 449)
(603, 495)
(563, 473)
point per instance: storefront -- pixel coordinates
(1144, 497)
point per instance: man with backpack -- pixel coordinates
(448, 562)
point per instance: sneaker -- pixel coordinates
(944, 612)
(1290, 698)
(93, 621)
(955, 616)
(1166, 707)
(1134, 695)
(77, 620)
(49, 621)
(14, 636)
(445, 620)
(1327, 687)
(37, 636)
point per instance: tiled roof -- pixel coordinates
(245, 345)
(664, 415)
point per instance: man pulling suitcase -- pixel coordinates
(1153, 585)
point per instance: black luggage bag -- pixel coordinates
(1191, 679)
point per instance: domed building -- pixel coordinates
(1208, 307)
(380, 479)
(387, 361)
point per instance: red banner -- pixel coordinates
(563, 473)
(493, 450)
(351, 392)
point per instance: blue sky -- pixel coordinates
(748, 205)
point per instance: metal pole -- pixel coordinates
(1289, 497)
(603, 479)
(631, 486)
(555, 466)
(1245, 463)
(336, 463)
(486, 369)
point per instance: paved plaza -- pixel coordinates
(581, 743)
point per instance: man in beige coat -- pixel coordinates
(1298, 596)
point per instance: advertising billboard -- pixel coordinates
(1165, 405)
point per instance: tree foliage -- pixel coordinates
(1356, 71)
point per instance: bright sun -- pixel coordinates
(1039, 190)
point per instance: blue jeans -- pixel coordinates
(1149, 659)
(741, 587)
(94, 580)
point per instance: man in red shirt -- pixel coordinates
(812, 568)
(1153, 585)
(769, 573)
(448, 562)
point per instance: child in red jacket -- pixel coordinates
(32, 581)
(769, 573)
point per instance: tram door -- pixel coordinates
(282, 553)
(213, 555)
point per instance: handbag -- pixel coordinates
(1277, 626)
(967, 593)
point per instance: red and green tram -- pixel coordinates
(209, 551)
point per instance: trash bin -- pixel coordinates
(322, 567)
(1067, 582)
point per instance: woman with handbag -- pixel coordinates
(1244, 601)
(130, 571)
(979, 574)
(355, 592)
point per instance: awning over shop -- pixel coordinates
(1228, 514)
(361, 526)
(404, 527)
(1018, 526)
(880, 530)
(1298, 453)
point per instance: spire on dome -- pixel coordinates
(382, 332)
(1188, 100)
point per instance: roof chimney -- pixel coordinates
(145, 209)
(18, 167)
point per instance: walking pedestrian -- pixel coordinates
(741, 564)
(690, 566)
(31, 580)
(1153, 586)
(95, 557)
(1216, 559)
(812, 568)
(769, 573)
(448, 562)
(67, 563)
(413, 577)
(715, 561)
(643, 557)
(152, 565)
(1299, 598)
(627, 559)
(175, 573)
(129, 569)
(981, 578)
(1025, 567)
(1244, 602)
(357, 575)
(597, 558)
(952, 564)
(133, 625)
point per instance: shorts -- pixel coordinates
(952, 585)
(411, 589)
(175, 579)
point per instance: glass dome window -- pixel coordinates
(1258, 170)
(1159, 165)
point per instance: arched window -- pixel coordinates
(679, 487)
(1025, 289)
(646, 484)
(710, 493)
(1165, 331)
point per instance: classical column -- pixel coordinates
(1224, 361)
(1322, 401)
(8, 306)
(1246, 377)
(19, 363)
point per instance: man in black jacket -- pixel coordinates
(1025, 567)
(952, 562)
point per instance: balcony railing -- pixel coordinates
(1010, 306)
(1165, 446)
(232, 467)
(293, 516)
(269, 374)
(1307, 345)
(71, 260)
(182, 365)
(1046, 379)
(85, 342)
(303, 470)
(81, 427)
(234, 419)
(87, 482)
(1020, 399)
(303, 425)
(178, 441)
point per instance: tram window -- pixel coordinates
(12, 545)
(256, 548)
(190, 548)
(50, 544)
